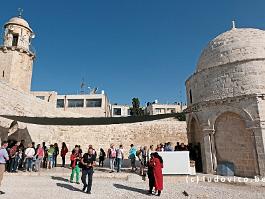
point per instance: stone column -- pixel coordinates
(206, 151)
(259, 138)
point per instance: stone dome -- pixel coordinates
(18, 21)
(235, 45)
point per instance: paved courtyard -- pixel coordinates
(50, 185)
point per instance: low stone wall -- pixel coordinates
(101, 136)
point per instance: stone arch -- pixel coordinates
(234, 143)
(194, 135)
(223, 109)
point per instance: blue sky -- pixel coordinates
(139, 48)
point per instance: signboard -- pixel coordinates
(176, 162)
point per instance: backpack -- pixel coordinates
(112, 153)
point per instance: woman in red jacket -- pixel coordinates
(157, 164)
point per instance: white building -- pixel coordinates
(156, 108)
(120, 110)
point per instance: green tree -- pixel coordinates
(136, 110)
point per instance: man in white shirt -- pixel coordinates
(120, 157)
(3, 158)
(29, 154)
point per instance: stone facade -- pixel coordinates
(225, 95)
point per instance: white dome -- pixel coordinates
(18, 21)
(238, 44)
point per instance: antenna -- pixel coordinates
(82, 86)
(20, 11)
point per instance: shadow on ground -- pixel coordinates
(120, 186)
(68, 186)
(59, 179)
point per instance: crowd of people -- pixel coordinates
(31, 157)
(16, 156)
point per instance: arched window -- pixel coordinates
(190, 96)
(15, 40)
(3, 74)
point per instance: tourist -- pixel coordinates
(177, 147)
(39, 157)
(112, 156)
(64, 151)
(94, 151)
(34, 157)
(157, 164)
(169, 147)
(142, 158)
(119, 158)
(150, 173)
(88, 161)
(158, 148)
(3, 158)
(149, 151)
(50, 156)
(22, 150)
(33, 145)
(132, 157)
(102, 156)
(44, 165)
(80, 150)
(56, 153)
(182, 147)
(75, 158)
(29, 154)
(13, 160)
(162, 147)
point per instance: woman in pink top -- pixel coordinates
(39, 156)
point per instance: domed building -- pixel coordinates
(226, 102)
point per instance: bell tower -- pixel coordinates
(16, 54)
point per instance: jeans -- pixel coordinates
(87, 174)
(29, 164)
(133, 163)
(119, 162)
(55, 161)
(50, 161)
(101, 161)
(76, 171)
(111, 162)
(63, 161)
(38, 162)
(13, 164)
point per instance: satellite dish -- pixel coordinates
(32, 35)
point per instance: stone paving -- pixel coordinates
(55, 184)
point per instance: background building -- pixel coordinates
(155, 108)
(120, 110)
(89, 105)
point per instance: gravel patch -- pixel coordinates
(32, 187)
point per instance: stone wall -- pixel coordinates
(227, 81)
(101, 136)
(16, 102)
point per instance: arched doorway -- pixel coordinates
(194, 138)
(234, 143)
